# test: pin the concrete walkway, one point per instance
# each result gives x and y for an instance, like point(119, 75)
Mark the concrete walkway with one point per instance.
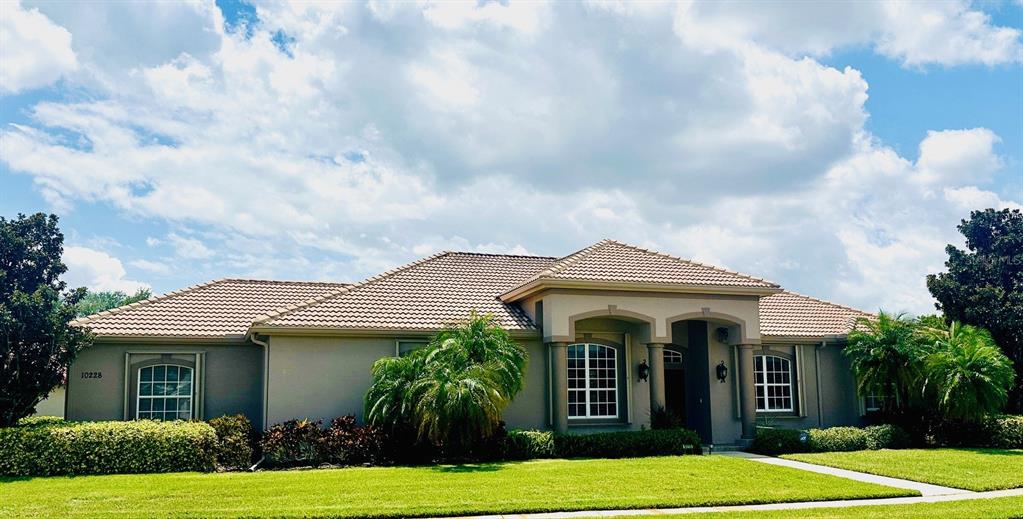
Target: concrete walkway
point(924, 488)
point(752, 508)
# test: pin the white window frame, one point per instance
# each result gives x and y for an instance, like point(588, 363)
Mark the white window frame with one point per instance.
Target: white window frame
point(586, 391)
point(139, 397)
point(673, 356)
point(878, 401)
point(760, 366)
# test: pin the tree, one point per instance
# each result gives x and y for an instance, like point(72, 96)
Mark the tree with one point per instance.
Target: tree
point(967, 374)
point(984, 284)
point(453, 391)
point(37, 343)
point(886, 356)
point(96, 302)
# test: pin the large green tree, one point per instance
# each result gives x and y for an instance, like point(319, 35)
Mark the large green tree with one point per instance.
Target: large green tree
point(96, 302)
point(984, 284)
point(37, 343)
point(453, 391)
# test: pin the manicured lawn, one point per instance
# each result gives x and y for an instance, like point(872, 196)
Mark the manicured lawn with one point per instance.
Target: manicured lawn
point(972, 469)
point(1001, 507)
point(533, 486)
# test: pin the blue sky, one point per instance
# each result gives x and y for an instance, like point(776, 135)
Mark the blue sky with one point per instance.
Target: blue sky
point(829, 147)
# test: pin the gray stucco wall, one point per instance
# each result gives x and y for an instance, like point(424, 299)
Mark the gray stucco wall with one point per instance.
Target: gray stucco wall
point(231, 379)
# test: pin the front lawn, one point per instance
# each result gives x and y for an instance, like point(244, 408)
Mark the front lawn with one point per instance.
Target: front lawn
point(533, 486)
point(993, 508)
point(971, 469)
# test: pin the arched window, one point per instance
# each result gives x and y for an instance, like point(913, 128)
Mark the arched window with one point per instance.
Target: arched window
point(592, 381)
point(165, 393)
point(672, 356)
point(772, 378)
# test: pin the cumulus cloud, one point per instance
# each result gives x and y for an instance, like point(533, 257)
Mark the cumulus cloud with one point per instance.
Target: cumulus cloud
point(390, 131)
point(34, 51)
point(97, 270)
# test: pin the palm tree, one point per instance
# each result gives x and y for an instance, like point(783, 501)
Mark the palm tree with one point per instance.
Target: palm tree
point(886, 356)
point(454, 390)
point(966, 371)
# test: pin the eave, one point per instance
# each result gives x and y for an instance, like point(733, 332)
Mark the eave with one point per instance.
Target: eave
point(538, 285)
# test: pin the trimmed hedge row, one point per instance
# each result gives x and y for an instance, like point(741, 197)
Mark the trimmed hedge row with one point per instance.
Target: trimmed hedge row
point(625, 444)
point(1002, 431)
point(235, 439)
point(48, 447)
point(304, 442)
point(833, 439)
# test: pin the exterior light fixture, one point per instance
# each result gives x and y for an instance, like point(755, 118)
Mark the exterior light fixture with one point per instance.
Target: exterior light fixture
point(644, 371)
point(722, 372)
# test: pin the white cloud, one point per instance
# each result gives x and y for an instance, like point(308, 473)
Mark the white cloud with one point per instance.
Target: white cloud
point(34, 51)
point(155, 267)
point(395, 130)
point(97, 270)
point(189, 248)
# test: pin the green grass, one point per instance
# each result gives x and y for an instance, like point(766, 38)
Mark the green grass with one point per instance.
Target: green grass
point(972, 469)
point(533, 486)
point(994, 508)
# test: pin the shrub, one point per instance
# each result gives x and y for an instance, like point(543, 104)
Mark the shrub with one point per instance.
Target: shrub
point(662, 418)
point(837, 439)
point(627, 444)
point(347, 443)
point(772, 442)
point(886, 437)
point(1006, 432)
point(234, 441)
point(31, 421)
point(51, 448)
point(293, 443)
point(527, 445)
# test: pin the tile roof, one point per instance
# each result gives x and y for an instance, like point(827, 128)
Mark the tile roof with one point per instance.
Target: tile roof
point(787, 314)
point(223, 308)
point(428, 294)
point(612, 261)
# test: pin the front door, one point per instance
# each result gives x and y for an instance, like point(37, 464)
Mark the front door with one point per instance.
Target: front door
point(674, 384)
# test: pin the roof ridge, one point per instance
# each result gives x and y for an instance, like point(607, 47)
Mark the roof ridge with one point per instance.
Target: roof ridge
point(112, 311)
point(825, 301)
point(500, 255)
point(694, 262)
point(276, 314)
point(283, 281)
point(566, 261)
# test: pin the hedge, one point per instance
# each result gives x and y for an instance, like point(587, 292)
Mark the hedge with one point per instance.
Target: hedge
point(773, 442)
point(51, 448)
point(1005, 432)
point(304, 442)
point(235, 439)
point(625, 444)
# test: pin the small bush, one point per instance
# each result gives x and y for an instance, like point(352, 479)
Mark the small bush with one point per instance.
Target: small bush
point(527, 445)
point(53, 448)
point(31, 421)
point(234, 441)
point(886, 437)
point(772, 442)
point(662, 418)
point(347, 443)
point(627, 444)
point(293, 443)
point(837, 439)
point(1005, 432)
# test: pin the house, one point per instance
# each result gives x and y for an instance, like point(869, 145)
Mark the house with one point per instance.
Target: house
point(612, 331)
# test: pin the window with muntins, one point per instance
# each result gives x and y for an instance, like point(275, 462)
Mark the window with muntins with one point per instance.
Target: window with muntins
point(592, 381)
point(873, 403)
point(772, 378)
point(672, 356)
point(164, 393)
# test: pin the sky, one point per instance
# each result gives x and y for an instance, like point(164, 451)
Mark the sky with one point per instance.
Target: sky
point(830, 147)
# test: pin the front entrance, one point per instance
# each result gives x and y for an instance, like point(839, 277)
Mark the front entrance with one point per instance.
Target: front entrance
point(674, 384)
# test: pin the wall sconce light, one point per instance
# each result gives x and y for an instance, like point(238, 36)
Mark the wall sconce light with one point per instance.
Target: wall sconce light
point(644, 371)
point(722, 372)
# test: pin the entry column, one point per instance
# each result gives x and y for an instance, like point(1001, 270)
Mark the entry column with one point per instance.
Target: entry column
point(656, 353)
point(747, 395)
point(559, 386)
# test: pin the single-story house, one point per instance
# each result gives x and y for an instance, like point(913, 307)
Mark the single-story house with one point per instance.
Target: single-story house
point(612, 332)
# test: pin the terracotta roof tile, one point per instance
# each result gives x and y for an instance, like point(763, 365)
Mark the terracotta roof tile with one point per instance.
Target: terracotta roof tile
point(217, 309)
point(428, 294)
point(787, 314)
point(613, 261)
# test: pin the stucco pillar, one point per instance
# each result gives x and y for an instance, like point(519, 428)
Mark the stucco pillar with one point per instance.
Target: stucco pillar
point(747, 394)
point(559, 385)
point(656, 363)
